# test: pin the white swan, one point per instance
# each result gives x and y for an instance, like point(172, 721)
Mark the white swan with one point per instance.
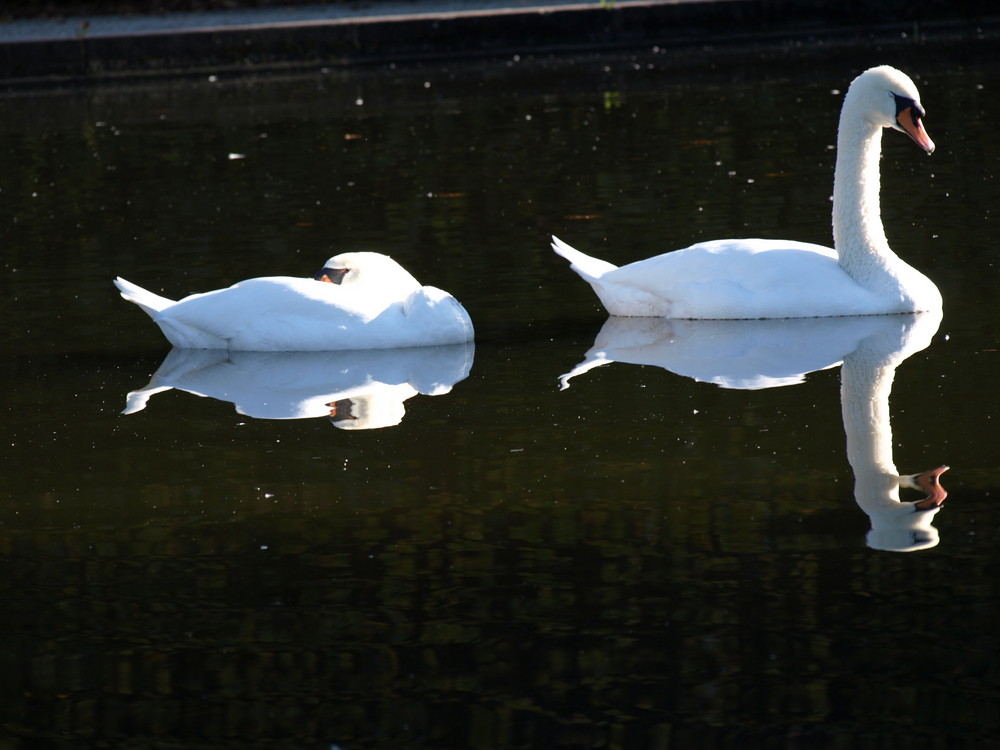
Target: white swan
point(755, 278)
point(370, 302)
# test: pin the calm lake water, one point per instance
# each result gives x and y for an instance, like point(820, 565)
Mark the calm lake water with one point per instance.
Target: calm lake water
point(664, 554)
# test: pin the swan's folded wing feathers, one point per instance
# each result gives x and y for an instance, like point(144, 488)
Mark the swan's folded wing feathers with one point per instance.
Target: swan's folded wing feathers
point(738, 278)
point(447, 319)
point(215, 313)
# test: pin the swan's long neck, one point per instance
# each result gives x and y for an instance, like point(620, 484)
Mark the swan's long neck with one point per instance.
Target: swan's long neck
point(858, 235)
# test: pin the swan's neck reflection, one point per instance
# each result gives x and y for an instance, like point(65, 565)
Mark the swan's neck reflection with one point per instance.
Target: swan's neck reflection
point(866, 381)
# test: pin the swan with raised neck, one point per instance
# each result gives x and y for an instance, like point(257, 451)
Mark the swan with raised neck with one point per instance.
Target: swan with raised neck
point(858, 235)
point(766, 278)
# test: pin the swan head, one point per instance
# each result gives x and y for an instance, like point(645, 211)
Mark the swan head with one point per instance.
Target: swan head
point(887, 98)
point(352, 269)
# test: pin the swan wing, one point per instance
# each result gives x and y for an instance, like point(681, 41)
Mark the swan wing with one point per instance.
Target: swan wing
point(434, 317)
point(290, 314)
point(741, 279)
point(266, 314)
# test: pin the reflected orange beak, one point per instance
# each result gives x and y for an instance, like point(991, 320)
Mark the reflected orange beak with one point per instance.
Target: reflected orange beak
point(911, 124)
point(341, 410)
point(930, 482)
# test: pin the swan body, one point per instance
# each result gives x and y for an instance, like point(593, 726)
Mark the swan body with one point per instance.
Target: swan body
point(763, 278)
point(371, 302)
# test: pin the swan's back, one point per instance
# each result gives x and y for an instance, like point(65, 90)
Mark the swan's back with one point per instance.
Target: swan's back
point(735, 279)
point(282, 313)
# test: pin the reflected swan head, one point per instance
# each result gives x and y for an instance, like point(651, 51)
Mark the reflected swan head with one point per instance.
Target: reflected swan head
point(929, 482)
point(887, 98)
point(360, 268)
point(366, 412)
point(899, 526)
point(919, 536)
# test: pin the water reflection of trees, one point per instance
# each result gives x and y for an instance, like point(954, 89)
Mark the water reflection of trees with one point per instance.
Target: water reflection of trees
point(461, 626)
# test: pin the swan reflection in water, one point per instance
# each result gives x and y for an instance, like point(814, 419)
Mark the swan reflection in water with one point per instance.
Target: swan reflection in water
point(753, 354)
point(357, 390)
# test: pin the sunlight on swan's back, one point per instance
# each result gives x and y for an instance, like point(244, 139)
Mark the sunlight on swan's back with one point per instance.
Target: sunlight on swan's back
point(757, 278)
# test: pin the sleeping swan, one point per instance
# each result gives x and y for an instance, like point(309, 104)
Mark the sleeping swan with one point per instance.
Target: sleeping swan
point(368, 302)
point(756, 278)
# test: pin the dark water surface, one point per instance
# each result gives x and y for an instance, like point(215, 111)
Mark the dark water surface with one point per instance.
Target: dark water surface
point(651, 558)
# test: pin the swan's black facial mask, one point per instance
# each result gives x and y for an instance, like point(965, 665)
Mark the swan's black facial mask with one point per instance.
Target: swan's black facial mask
point(904, 103)
point(331, 275)
point(908, 115)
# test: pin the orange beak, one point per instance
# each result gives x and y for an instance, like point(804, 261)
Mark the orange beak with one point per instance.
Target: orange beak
point(911, 124)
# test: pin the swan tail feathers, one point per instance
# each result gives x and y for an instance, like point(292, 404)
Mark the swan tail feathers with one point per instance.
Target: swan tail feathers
point(179, 333)
point(589, 268)
point(153, 304)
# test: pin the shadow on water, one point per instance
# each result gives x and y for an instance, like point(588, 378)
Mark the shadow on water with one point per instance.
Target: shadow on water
point(645, 560)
